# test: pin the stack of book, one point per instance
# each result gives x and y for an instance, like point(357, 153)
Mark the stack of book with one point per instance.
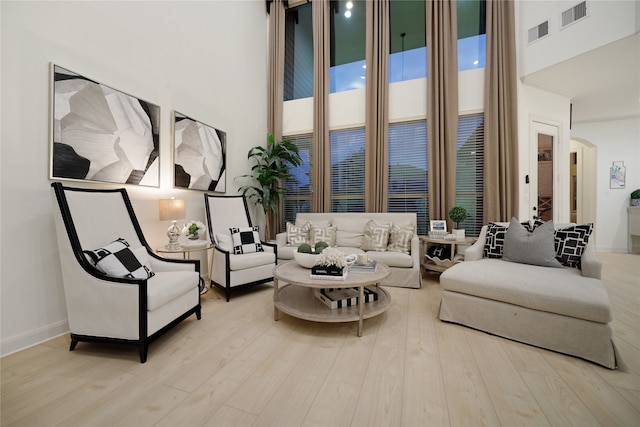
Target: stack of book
point(369, 267)
point(330, 272)
point(347, 297)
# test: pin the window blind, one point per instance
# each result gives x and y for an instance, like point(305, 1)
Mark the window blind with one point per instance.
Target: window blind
point(408, 185)
point(297, 197)
point(470, 170)
point(347, 169)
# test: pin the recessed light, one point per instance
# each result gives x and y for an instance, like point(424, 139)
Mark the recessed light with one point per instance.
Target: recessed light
point(475, 62)
point(349, 5)
point(347, 14)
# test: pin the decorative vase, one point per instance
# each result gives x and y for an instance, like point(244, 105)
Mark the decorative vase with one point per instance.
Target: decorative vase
point(193, 236)
point(459, 233)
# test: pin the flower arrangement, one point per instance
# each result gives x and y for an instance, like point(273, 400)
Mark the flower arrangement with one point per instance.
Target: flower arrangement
point(192, 229)
point(331, 256)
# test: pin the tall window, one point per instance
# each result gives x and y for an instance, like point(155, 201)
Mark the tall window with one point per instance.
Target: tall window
point(347, 170)
point(407, 40)
point(472, 31)
point(470, 170)
point(298, 55)
point(408, 185)
point(348, 44)
point(298, 189)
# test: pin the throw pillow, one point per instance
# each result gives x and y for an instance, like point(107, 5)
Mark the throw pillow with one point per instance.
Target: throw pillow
point(494, 241)
point(570, 244)
point(224, 242)
point(245, 240)
point(117, 260)
point(530, 247)
point(324, 234)
point(298, 235)
point(376, 236)
point(400, 239)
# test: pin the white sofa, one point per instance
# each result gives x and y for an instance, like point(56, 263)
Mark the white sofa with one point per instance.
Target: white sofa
point(561, 309)
point(405, 268)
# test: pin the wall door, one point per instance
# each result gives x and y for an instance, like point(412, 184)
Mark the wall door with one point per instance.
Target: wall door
point(544, 188)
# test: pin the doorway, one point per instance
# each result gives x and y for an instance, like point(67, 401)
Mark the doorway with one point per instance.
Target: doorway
point(544, 189)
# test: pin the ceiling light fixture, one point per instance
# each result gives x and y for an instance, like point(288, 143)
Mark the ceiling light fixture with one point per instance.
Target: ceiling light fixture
point(349, 5)
point(347, 14)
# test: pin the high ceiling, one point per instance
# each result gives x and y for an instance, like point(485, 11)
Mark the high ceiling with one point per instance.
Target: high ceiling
point(602, 84)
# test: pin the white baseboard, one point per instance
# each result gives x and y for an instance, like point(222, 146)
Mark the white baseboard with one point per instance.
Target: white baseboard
point(29, 339)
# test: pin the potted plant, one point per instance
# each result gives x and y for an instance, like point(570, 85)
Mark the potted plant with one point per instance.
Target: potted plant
point(635, 197)
point(271, 169)
point(458, 214)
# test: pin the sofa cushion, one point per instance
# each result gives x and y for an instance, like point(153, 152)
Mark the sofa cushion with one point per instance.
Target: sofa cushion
point(322, 234)
point(496, 232)
point(349, 231)
point(376, 236)
point(298, 235)
point(400, 239)
point(556, 290)
point(571, 242)
point(165, 286)
point(530, 247)
point(392, 259)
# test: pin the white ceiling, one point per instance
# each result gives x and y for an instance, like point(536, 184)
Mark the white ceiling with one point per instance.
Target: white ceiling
point(602, 84)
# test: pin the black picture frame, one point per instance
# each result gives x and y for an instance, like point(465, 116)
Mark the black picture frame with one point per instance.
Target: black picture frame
point(101, 134)
point(199, 155)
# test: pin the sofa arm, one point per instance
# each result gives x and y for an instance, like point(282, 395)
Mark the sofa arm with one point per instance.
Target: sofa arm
point(474, 252)
point(415, 251)
point(590, 264)
point(281, 239)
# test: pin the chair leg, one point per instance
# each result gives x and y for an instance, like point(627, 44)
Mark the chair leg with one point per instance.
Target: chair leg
point(74, 343)
point(198, 314)
point(143, 353)
point(228, 292)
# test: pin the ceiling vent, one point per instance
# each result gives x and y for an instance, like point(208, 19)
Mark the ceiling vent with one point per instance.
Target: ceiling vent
point(574, 14)
point(538, 32)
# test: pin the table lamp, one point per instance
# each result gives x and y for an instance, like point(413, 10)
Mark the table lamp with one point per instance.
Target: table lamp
point(172, 210)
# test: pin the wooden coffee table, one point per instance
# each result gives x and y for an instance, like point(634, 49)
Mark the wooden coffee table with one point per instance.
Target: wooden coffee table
point(296, 298)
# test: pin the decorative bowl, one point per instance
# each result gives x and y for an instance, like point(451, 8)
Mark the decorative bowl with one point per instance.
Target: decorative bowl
point(305, 260)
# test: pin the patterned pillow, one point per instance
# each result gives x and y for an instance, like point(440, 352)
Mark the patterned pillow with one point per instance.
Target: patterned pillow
point(245, 240)
point(494, 242)
point(298, 235)
point(570, 244)
point(326, 234)
point(400, 239)
point(376, 236)
point(117, 260)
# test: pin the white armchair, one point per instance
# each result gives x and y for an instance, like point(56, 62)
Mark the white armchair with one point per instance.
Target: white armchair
point(232, 269)
point(120, 310)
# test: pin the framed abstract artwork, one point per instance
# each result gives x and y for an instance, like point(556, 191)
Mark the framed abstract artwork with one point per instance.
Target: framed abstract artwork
point(199, 155)
point(101, 134)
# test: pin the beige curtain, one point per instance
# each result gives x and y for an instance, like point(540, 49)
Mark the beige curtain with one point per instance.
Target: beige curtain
point(500, 114)
point(275, 97)
point(377, 106)
point(442, 105)
point(321, 196)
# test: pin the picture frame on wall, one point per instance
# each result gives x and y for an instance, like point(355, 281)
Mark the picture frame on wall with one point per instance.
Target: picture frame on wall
point(101, 134)
point(617, 175)
point(199, 155)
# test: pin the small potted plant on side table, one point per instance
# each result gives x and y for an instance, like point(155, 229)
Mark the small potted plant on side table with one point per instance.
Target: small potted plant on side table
point(457, 215)
point(635, 197)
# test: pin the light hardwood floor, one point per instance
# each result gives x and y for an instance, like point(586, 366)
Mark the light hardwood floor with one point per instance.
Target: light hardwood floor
point(238, 367)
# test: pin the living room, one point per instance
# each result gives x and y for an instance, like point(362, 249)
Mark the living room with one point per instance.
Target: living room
point(209, 60)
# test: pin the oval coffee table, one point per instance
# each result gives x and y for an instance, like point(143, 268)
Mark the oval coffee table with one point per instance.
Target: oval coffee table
point(296, 298)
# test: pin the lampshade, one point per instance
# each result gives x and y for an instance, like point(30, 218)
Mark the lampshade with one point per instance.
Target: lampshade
point(171, 209)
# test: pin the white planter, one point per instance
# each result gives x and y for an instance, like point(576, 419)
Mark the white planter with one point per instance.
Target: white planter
point(459, 233)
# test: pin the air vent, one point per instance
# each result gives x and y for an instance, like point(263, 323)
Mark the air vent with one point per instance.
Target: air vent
point(538, 32)
point(575, 14)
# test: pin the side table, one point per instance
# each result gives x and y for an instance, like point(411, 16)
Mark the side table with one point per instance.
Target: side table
point(186, 254)
point(441, 266)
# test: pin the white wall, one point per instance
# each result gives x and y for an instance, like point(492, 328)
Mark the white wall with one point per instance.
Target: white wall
point(607, 21)
point(207, 60)
point(616, 140)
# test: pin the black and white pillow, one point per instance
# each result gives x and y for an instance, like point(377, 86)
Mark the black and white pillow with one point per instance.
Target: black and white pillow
point(570, 244)
point(494, 241)
point(118, 260)
point(245, 240)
